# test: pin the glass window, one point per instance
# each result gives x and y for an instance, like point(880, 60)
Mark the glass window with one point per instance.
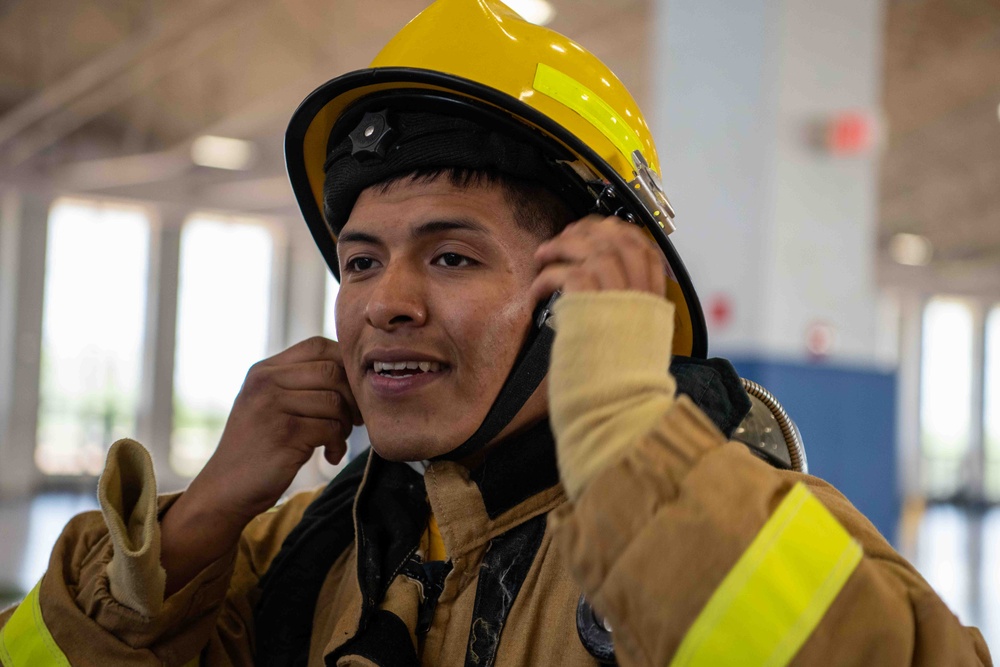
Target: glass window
point(991, 406)
point(989, 621)
point(943, 556)
point(358, 440)
point(222, 328)
point(946, 395)
point(96, 268)
point(329, 321)
point(48, 516)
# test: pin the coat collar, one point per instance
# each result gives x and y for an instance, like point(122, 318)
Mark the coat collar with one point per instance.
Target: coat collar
point(517, 481)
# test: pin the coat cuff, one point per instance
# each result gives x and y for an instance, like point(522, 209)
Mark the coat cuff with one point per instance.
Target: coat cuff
point(127, 495)
point(609, 379)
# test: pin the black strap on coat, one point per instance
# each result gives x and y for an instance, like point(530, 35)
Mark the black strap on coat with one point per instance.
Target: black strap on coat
point(283, 617)
point(503, 570)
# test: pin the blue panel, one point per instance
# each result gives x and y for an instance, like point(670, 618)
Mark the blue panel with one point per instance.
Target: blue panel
point(847, 416)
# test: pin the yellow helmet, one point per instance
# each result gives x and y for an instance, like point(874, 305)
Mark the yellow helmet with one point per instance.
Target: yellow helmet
point(481, 53)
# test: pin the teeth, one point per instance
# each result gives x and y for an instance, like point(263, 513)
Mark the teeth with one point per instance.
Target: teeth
point(423, 366)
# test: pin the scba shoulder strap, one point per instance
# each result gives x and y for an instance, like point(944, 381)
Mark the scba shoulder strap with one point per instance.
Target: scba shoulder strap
point(283, 617)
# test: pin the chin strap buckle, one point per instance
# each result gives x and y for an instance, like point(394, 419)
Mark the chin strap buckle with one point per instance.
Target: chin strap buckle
point(547, 311)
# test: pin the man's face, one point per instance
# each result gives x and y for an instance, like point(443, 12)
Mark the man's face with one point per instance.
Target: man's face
point(436, 277)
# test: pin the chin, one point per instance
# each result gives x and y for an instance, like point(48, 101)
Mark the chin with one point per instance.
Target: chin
point(400, 446)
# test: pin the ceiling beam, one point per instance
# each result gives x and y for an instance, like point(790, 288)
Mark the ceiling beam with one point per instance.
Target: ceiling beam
point(265, 117)
point(143, 73)
point(97, 71)
point(117, 172)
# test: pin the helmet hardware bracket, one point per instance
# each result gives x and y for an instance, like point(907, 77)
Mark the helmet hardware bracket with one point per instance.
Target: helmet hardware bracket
point(373, 136)
point(649, 191)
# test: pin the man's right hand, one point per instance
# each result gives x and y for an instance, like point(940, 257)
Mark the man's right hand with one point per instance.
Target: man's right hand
point(289, 405)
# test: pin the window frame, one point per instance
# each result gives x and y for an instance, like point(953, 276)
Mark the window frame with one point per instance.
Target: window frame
point(276, 325)
point(911, 458)
point(99, 204)
point(296, 312)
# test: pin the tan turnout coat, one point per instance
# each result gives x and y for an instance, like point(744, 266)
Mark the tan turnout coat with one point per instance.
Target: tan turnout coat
point(654, 513)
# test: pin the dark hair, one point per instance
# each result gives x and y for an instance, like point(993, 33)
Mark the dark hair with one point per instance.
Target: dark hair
point(536, 209)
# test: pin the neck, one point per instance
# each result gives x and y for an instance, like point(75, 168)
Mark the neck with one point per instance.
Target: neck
point(512, 431)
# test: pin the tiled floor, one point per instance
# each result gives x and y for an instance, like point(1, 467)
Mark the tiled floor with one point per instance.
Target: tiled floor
point(958, 552)
point(28, 529)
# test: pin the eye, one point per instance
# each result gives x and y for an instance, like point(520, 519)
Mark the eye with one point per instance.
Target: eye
point(453, 260)
point(358, 264)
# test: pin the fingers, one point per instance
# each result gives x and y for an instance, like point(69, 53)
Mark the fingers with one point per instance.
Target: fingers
point(571, 248)
point(333, 453)
point(318, 382)
point(316, 404)
point(566, 278)
point(310, 349)
point(639, 256)
point(323, 375)
point(309, 433)
point(289, 405)
point(599, 254)
point(657, 272)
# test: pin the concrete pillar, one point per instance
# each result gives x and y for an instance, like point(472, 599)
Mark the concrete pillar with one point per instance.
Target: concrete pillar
point(306, 282)
point(23, 234)
point(766, 216)
point(778, 234)
point(303, 301)
point(154, 421)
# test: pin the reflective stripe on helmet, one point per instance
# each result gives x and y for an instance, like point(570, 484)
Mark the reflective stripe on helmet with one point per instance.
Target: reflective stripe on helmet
point(573, 94)
point(25, 640)
point(776, 594)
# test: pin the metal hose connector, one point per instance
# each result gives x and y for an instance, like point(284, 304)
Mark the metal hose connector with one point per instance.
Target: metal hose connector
point(790, 432)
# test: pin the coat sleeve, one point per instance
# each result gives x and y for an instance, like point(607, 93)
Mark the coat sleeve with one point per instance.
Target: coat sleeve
point(697, 552)
point(101, 602)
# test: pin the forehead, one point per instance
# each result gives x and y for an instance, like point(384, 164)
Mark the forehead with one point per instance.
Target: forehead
point(411, 202)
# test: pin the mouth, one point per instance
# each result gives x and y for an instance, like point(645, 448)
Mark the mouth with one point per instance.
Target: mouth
point(405, 369)
point(393, 374)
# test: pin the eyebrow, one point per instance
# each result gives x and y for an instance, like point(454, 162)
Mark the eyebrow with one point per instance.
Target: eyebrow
point(358, 237)
point(426, 229)
point(453, 224)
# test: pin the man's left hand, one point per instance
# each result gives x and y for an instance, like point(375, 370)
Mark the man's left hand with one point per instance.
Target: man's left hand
point(599, 253)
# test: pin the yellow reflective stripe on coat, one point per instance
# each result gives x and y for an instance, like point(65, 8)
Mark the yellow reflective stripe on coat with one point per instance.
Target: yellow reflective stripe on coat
point(776, 594)
point(25, 641)
point(573, 94)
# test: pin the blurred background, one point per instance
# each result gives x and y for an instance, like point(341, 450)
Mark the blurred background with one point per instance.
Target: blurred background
point(835, 168)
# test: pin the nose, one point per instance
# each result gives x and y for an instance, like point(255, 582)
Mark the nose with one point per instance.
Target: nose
point(396, 300)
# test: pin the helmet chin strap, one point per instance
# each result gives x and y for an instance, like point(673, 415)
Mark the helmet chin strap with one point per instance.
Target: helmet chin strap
point(528, 372)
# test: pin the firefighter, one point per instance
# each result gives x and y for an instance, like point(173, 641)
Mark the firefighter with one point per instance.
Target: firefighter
point(541, 489)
